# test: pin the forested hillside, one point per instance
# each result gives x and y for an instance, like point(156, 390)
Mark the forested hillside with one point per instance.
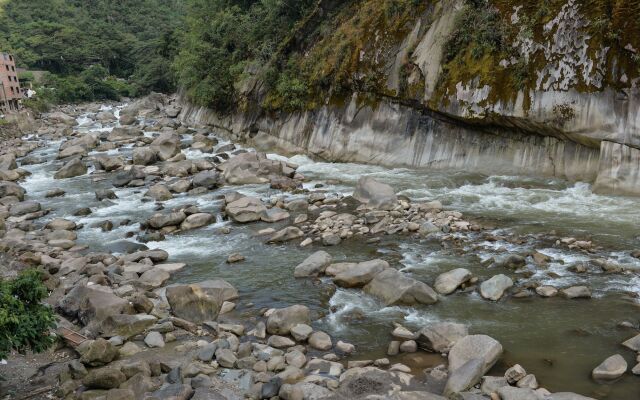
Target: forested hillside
point(89, 44)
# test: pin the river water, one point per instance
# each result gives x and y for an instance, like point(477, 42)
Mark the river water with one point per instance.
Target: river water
point(558, 340)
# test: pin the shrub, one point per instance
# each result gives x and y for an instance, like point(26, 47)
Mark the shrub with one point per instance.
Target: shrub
point(25, 323)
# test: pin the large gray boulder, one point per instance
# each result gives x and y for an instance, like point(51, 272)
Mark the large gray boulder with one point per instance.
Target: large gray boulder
point(71, 169)
point(494, 287)
point(440, 336)
point(313, 265)
point(104, 378)
point(464, 377)
point(249, 168)
point(286, 234)
point(8, 162)
point(197, 220)
point(24, 207)
point(11, 189)
point(61, 118)
point(72, 151)
point(95, 353)
point(360, 274)
point(91, 305)
point(207, 179)
point(610, 369)
point(448, 282)
point(395, 288)
point(124, 134)
point(158, 221)
point(166, 146)
point(245, 209)
point(144, 156)
point(282, 320)
point(126, 325)
point(375, 194)
point(471, 347)
point(159, 192)
point(199, 302)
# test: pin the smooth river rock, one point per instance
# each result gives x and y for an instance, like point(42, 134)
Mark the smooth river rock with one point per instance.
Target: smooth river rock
point(610, 369)
point(494, 288)
point(394, 287)
point(448, 282)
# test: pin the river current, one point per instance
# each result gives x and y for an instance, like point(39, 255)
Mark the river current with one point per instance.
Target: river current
point(558, 340)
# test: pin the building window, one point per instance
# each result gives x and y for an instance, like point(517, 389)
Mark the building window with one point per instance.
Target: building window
point(10, 58)
point(7, 67)
point(13, 68)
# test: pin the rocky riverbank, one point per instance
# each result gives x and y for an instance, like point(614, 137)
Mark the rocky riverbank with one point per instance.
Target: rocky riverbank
point(149, 337)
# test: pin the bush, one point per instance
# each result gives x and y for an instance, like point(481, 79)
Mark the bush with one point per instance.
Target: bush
point(25, 323)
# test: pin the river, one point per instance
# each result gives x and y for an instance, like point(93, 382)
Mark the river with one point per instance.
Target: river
point(558, 340)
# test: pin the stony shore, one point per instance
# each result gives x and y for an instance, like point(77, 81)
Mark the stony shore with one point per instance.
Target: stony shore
point(150, 340)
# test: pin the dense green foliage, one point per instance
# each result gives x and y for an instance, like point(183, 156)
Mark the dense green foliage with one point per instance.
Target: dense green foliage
point(24, 321)
point(225, 38)
point(82, 41)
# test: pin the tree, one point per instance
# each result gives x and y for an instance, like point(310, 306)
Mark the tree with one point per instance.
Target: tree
point(25, 322)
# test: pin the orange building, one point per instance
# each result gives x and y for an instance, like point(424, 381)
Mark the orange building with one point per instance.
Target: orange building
point(10, 93)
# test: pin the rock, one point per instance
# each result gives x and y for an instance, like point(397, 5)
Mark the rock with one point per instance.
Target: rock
point(274, 214)
point(197, 220)
point(207, 179)
point(159, 192)
point(235, 258)
point(528, 381)
point(105, 194)
point(301, 332)
point(104, 378)
point(491, 384)
point(512, 393)
point(158, 221)
point(61, 118)
point(286, 234)
point(175, 391)
point(345, 348)
point(108, 164)
point(199, 302)
point(280, 342)
point(633, 343)
point(482, 347)
point(226, 358)
point(361, 274)
point(97, 352)
point(11, 189)
point(71, 169)
point(121, 394)
point(375, 194)
point(576, 292)
point(331, 239)
point(166, 146)
point(320, 341)
point(546, 291)
point(55, 193)
point(246, 209)
point(129, 349)
point(612, 368)
point(567, 396)
point(126, 325)
point(448, 282)
point(143, 156)
point(24, 207)
point(395, 288)
point(408, 346)
point(440, 336)
point(8, 162)
point(72, 151)
point(282, 320)
point(514, 374)
point(120, 134)
point(464, 377)
point(250, 168)
point(153, 279)
point(154, 339)
point(313, 265)
point(494, 288)
point(91, 305)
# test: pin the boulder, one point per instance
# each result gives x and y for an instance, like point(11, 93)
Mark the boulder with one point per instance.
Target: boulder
point(71, 169)
point(91, 305)
point(24, 207)
point(274, 214)
point(313, 265)
point(375, 194)
point(97, 352)
point(282, 320)
point(158, 221)
point(464, 377)
point(471, 347)
point(320, 341)
point(61, 118)
point(494, 288)
point(176, 391)
point(11, 189)
point(251, 168)
point(610, 369)
point(8, 162)
point(633, 343)
point(107, 163)
point(448, 282)
point(245, 209)
point(124, 134)
point(154, 339)
point(514, 393)
point(73, 151)
point(207, 179)
point(144, 156)
point(104, 378)
point(440, 336)
point(166, 146)
point(126, 325)
point(361, 274)
point(197, 220)
point(159, 192)
point(153, 279)
point(286, 234)
point(576, 292)
point(199, 302)
point(395, 288)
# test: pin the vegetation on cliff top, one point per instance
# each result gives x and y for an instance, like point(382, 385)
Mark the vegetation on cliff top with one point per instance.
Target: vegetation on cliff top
point(129, 45)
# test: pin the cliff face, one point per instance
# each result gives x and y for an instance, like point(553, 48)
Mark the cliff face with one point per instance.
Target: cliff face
point(544, 87)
